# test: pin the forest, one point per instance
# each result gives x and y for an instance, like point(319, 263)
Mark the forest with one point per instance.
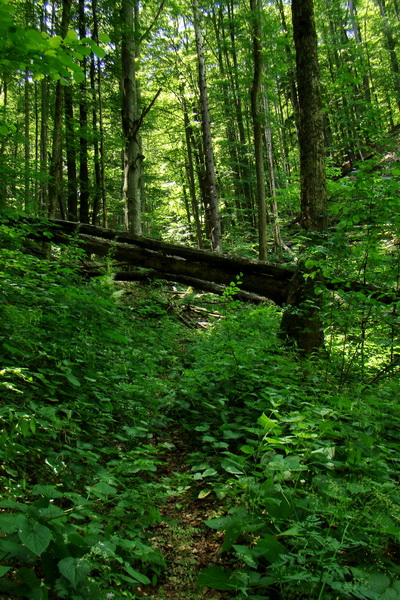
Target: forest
point(199, 298)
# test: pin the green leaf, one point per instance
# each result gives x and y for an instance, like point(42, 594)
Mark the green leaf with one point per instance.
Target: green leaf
point(73, 380)
point(203, 494)
point(216, 578)
point(35, 536)
point(138, 576)
point(49, 491)
point(71, 35)
point(103, 37)
point(74, 569)
point(9, 523)
point(78, 76)
point(100, 52)
point(219, 522)
point(270, 548)
point(4, 570)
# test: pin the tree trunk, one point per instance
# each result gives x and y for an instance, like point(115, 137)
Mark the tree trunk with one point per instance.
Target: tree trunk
point(211, 186)
point(391, 44)
point(101, 126)
point(190, 175)
point(70, 151)
point(84, 188)
point(278, 242)
point(302, 319)
point(56, 154)
point(258, 129)
point(27, 147)
point(130, 122)
point(96, 150)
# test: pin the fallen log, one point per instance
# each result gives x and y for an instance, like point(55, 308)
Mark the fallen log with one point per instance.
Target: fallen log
point(198, 284)
point(176, 262)
point(199, 268)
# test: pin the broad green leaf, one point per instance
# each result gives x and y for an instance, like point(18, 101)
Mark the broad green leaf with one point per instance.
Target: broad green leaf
point(136, 575)
point(4, 570)
point(245, 554)
point(99, 52)
point(74, 569)
point(216, 578)
point(209, 473)
point(71, 35)
point(49, 491)
point(270, 548)
point(219, 522)
point(73, 380)
point(103, 488)
point(9, 523)
point(231, 468)
point(78, 76)
point(103, 37)
point(203, 494)
point(35, 536)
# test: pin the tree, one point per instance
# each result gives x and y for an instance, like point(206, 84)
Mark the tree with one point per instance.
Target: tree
point(56, 154)
point(302, 319)
point(211, 200)
point(258, 128)
point(130, 118)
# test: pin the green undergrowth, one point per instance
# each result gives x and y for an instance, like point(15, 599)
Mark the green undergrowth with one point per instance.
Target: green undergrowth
point(301, 456)
point(81, 385)
point(306, 468)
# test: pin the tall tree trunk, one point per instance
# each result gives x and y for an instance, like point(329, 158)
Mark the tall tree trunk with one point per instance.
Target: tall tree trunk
point(96, 150)
point(246, 175)
point(70, 151)
point(211, 186)
point(291, 77)
point(44, 101)
point(311, 138)
point(258, 129)
point(302, 319)
point(391, 44)
point(56, 154)
point(103, 192)
point(27, 147)
point(190, 175)
point(130, 122)
point(278, 242)
point(84, 187)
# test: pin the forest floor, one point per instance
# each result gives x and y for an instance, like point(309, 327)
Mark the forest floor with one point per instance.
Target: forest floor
point(186, 543)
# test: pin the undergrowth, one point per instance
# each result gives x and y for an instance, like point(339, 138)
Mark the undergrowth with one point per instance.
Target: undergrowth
point(301, 455)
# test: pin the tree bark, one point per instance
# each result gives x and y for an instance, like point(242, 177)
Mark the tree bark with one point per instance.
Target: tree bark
point(391, 45)
point(70, 151)
point(301, 320)
point(211, 186)
point(130, 122)
point(190, 175)
point(258, 129)
point(84, 188)
point(56, 154)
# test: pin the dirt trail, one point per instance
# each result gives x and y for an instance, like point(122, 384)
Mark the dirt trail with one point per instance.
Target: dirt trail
point(188, 545)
